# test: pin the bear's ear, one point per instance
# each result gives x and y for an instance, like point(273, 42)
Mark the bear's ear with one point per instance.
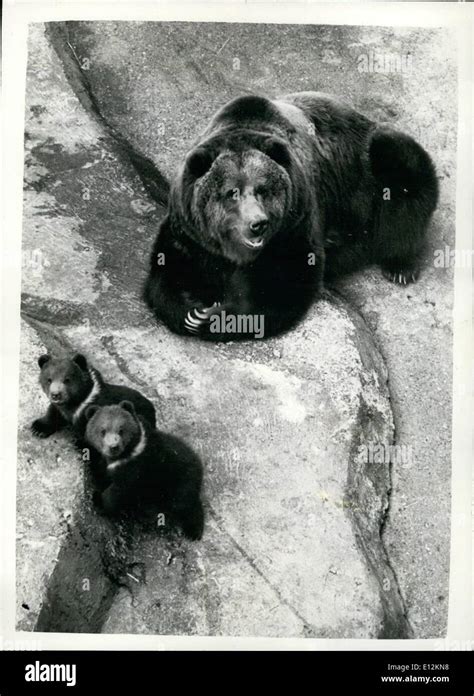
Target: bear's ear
point(91, 411)
point(199, 162)
point(80, 361)
point(128, 406)
point(277, 150)
point(43, 359)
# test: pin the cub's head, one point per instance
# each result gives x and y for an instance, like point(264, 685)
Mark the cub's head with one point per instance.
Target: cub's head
point(65, 381)
point(112, 430)
point(238, 200)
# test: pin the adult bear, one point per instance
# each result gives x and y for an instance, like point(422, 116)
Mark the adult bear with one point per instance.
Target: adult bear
point(276, 194)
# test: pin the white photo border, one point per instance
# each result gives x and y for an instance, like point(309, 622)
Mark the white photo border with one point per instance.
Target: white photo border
point(17, 16)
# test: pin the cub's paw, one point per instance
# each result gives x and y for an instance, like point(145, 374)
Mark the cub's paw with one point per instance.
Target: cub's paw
point(401, 275)
point(193, 532)
point(192, 523)
point(41, 429)
point(197, 320)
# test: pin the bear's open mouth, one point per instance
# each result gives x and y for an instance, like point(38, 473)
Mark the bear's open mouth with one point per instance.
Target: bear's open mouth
point(255, 243)
point(57, 400)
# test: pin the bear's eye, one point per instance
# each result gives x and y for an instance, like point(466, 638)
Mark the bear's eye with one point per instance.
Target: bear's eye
point(102, 432)
point(49, 380)
point(232, 194)
point(67, 380)
point(120, 432)
point(260, 190)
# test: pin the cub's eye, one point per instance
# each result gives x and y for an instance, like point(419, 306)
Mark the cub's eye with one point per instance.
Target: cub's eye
point(120, 432)
point(232, 194)
point(67, 380)
point(102, 432)
point(49, 380)
point(260, 191)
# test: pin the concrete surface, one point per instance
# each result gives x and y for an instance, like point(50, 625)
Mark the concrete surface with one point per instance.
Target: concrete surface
point(278, 431)
point(304, 551)
point(47, 481)
point(63, 547)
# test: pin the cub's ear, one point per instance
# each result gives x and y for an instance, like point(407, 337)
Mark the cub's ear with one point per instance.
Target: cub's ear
point(43, 359)
point(128, 406)
point(80, 361)
point(198, 162)
point(91, 411)
point(277, 150)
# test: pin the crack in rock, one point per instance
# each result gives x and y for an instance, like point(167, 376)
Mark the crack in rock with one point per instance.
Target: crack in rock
point(366, 484)
point(51, 311)
point(153, 180)
point(109, 345)
point(370, 539)
point(309, 630)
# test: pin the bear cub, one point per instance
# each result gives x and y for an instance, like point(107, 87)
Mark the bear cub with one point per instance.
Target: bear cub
point(143, 469)
point(71, 385)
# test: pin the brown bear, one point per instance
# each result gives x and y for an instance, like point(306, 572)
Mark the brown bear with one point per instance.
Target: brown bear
point(144, 470)
point(71, 384)
point(273, 196)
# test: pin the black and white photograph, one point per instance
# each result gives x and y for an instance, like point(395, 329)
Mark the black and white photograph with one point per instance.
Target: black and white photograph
point(236, 352)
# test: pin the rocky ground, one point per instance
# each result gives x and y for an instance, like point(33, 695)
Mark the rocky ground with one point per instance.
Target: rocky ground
point(303, 538)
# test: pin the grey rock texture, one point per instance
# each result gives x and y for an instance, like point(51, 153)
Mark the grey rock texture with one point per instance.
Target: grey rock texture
point(294, 514)
point(46, 485)
point(279, 432)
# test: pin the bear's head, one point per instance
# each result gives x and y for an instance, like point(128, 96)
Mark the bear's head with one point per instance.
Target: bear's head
point(237, 198)
point(112, 430)
point(65, 381)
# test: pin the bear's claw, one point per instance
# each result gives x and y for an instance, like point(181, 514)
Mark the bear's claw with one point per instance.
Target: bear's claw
point(402, 276)
point(38, 429)
point(192, 323)
point(196, 319)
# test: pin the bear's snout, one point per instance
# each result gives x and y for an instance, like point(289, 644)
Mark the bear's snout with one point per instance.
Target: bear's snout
point(254, 233)
point(112, 444)
point(252, 212)
point(258, 227)
point(57, 392)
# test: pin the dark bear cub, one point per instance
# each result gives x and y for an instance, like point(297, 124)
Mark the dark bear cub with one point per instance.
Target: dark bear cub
point(71, 385)
point(143, 469)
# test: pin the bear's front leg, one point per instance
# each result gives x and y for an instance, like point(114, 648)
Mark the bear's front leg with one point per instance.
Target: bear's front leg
point(262, 302)
point(225, 322)
point(227, 319)
point(198, 320)
point(402, 271)
point(233, 321)
point(111, 500)
point(189, 515)
point(96, 465)
point(50, 423)
point(174, 304)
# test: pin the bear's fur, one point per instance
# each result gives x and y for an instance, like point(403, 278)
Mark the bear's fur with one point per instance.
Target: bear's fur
point(274, 195)
point(143, 469)
point(71, 385)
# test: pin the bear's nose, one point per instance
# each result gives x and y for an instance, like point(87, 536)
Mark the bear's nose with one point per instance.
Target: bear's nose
point(55, 395)
point(259, 226)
